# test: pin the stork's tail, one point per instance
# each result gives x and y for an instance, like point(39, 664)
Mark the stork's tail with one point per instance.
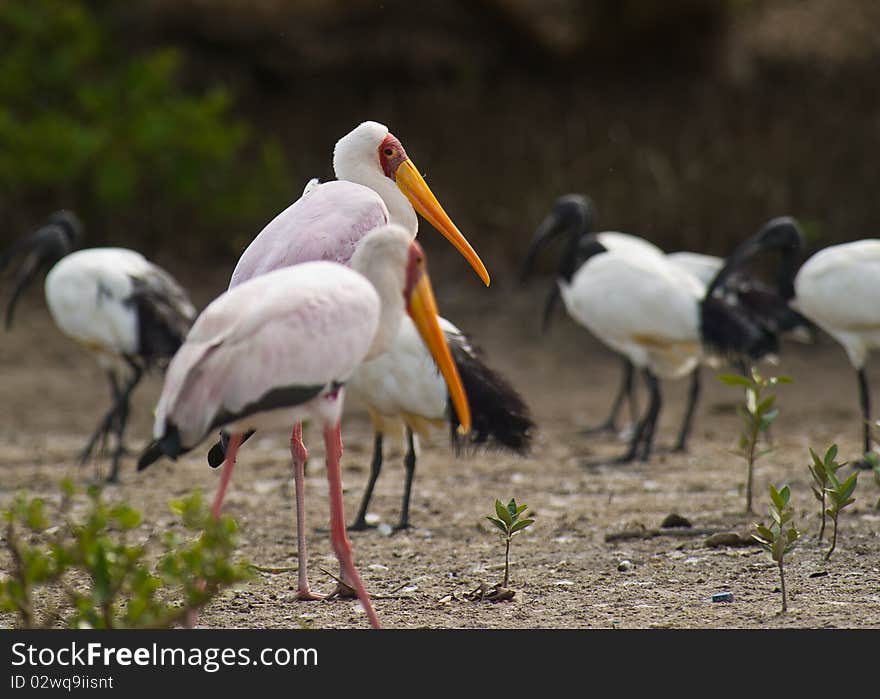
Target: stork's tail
point(167, 445)
point(499, 416)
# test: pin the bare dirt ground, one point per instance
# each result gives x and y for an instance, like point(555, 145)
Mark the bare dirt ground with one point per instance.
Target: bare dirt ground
point(565, 572)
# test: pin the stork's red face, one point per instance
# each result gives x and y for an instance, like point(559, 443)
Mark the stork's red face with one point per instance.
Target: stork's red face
point(398, 167)
point(391, 155)
point(422, 308)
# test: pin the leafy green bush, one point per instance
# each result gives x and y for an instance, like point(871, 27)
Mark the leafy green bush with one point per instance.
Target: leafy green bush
point(89, 122)
point(87, 572)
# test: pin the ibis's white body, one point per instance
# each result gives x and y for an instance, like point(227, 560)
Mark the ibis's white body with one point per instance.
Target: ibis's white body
point(627, 244)
point(703, 267)
point(640, 306)
point(838, 288)
point(89, 294)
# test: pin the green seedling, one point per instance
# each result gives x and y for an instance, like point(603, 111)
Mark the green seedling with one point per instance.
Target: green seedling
point(757, 415)
point(819, 470)
point(88, 565)
point(779, 537)
point(838, 495)
point(508, 520)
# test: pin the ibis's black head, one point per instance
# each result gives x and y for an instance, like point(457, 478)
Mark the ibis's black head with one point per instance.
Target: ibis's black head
point(781, 234)
point(738, 316)
point(70, 225)
point(61, 234)
point(571, 216)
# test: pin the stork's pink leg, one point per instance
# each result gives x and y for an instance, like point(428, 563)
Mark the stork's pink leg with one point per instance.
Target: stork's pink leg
point(299, 454)
point(338, 533)
point(228, 465)
point(225, 475)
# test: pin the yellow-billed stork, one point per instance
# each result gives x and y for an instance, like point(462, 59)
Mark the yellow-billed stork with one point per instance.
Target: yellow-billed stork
point(280, 348)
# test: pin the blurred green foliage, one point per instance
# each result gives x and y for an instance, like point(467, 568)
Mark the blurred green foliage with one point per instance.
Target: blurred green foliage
point(89, 122)
point(92, 568)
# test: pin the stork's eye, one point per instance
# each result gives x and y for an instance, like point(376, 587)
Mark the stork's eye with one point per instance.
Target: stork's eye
point(389, 152)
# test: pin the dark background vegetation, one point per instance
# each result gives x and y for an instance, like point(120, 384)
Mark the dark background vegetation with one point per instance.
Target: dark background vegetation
point(180, 127)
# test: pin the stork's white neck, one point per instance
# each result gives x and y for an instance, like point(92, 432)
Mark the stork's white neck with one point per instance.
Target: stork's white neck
point(400, 211)
point(382, 258)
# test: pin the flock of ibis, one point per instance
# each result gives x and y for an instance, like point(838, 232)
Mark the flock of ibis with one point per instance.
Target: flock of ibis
point(333, 297)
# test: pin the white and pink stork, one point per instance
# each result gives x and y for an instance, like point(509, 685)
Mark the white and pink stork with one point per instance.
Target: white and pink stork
point(377, 184)
point(278, 349)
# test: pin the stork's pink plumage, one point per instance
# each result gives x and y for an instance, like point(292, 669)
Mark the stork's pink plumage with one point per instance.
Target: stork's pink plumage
point(376, 183)
point(279, 348)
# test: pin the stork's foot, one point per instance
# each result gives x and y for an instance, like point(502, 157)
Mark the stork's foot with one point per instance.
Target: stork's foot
point(361, 525)
point(309, 596)
point(342, 591)
point(491, 593)
point(402, 526)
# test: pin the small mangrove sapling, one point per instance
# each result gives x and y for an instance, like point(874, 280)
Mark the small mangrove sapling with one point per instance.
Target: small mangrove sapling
point(780, 536)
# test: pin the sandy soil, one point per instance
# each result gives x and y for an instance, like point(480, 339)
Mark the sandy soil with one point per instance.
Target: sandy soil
point(567, 575)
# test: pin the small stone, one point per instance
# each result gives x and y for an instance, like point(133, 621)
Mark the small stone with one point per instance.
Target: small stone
point(675, 520)
point(722, 597)
point(385, 529)
point(727, 539)
point(625, 566)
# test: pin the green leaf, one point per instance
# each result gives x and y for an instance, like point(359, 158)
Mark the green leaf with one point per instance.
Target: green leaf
point(503, 513)
point(127, 516)
point(765, 533)
point(765, 405)
point(521, 524)
point(735, 380)
point(776, 498)
point(848, 486)
point(498, 523)
point(830, 455)
point(512, 509)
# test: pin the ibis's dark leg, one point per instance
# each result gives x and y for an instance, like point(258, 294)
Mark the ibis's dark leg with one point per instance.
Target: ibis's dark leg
point(630, 386)
point(643, 425)
point(360, 522)
point(123, 403)
point(652, 414)
point(409, 461)
point(693, 396)
point(627, 389)
point(865, 401)
point(107, 422)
